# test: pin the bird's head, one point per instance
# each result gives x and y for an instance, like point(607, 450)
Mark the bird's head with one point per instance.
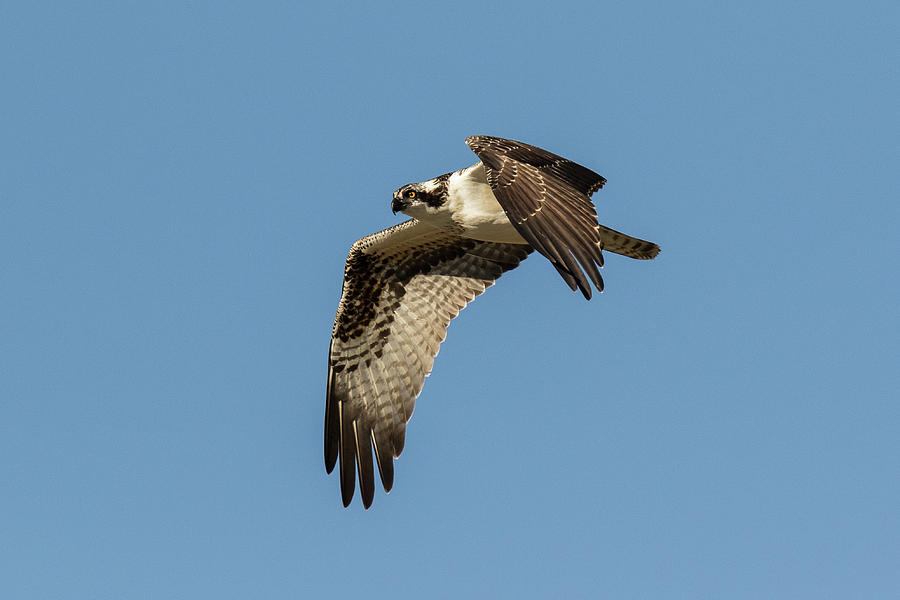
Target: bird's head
point(408, 196)
point(419, 199)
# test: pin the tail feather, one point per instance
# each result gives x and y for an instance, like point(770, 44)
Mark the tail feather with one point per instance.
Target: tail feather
point(626, 245)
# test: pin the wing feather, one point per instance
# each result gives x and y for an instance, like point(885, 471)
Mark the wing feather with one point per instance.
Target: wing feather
point(578, 177)
point(362, 433)
point(547, 199)
point(402, 287)
point(348, 447)
point(381, 442)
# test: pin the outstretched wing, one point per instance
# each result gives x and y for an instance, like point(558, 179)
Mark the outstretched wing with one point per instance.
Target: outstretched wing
point(547, 199)
point(402, 286)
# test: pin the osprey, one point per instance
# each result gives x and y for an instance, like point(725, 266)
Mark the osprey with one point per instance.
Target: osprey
point(403, 285)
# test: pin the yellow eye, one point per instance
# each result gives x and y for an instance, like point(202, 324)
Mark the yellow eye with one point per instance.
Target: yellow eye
point(410, 194)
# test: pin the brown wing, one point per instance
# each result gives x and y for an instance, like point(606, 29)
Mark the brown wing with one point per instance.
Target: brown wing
point(547, 199)
point(402, 286)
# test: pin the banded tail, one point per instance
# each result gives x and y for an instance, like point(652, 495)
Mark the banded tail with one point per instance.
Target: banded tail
point(632, 247)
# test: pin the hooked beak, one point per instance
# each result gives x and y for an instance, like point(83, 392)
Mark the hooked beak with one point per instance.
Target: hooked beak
point(398, 204)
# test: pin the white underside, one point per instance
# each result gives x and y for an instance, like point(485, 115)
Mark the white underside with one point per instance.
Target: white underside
point(474, 208)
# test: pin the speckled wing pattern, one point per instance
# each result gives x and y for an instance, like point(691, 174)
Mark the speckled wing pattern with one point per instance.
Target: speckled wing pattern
point(402, 286)
point(547, 199)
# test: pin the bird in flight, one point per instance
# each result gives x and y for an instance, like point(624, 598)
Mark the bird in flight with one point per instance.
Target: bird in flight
point(403, 285)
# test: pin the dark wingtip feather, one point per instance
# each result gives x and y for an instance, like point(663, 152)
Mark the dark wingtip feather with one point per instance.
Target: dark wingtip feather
point(332, 443)
point(385, 462)
point(598, 184)
point(332, 440)
point(364, 462)
point(386, 470)
point(347, 458)
point(398, 439)
point(332, 420)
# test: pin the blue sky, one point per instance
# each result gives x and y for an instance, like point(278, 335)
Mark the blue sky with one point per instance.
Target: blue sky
point(179, 186)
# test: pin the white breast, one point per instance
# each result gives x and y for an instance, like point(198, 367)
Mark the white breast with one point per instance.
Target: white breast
point(473, 207)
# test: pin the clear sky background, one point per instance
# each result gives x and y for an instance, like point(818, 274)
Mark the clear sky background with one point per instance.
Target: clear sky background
point(179, 186)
